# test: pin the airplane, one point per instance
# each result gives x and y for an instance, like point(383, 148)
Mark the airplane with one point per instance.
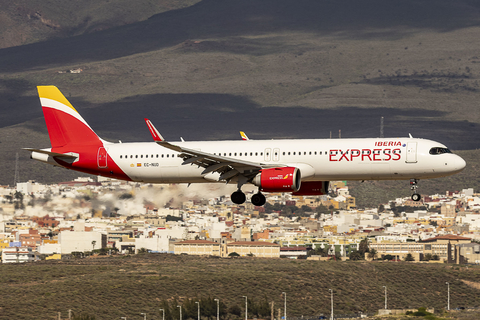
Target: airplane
point(297, 166)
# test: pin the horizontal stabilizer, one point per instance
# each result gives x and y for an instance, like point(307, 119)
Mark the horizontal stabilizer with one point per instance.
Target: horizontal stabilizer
point(53, 154)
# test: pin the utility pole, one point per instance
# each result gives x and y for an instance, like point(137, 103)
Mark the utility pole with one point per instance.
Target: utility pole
point(285, 306)
point(385, 297)
point(246, 308)
point(163, 310)
point(180, 311)
point(448, 295)
point(16, 179)
point(272, 315)
point(331, 294)
point(218, 309)
point(198, 304)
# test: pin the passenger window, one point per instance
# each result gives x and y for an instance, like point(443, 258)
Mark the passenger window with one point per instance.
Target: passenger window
point(136, 156)
point(168, 155)
point(256, 153)
point(146, 156)
point(120, 157)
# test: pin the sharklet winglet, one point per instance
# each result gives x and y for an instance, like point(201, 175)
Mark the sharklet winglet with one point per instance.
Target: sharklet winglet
point(154, 132)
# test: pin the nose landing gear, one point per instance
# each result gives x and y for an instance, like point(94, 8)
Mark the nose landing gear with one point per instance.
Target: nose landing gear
point(414, 187)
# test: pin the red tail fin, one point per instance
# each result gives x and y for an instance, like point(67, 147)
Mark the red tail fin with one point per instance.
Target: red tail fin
point(65, 125)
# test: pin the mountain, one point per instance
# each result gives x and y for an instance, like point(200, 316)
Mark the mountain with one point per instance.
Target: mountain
point(275, 69)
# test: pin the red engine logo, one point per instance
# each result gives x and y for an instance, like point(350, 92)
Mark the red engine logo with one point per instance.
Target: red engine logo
point(285, 179)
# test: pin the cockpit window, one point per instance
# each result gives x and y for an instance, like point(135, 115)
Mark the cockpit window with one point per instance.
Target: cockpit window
point(439, 150)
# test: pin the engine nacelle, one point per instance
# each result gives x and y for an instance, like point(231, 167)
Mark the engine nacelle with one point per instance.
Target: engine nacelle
point(313, 188)
point(283, 179)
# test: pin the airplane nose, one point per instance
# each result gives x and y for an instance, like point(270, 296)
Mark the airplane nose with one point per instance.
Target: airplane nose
point(460, 163)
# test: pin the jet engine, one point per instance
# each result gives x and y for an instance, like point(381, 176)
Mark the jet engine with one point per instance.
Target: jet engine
point(312, 188)
point(282, 179)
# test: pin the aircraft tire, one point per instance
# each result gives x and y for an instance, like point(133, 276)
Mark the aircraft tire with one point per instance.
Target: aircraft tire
point(238, 197)
point(258, 199)
point(416, 197)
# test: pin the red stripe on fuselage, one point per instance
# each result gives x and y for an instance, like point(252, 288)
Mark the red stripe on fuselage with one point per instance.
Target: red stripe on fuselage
point(87, 162)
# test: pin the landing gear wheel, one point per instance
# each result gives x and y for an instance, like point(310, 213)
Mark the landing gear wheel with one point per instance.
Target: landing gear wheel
point(238, 197)
point(416, 197)
point(414, 187)
point(258, 199)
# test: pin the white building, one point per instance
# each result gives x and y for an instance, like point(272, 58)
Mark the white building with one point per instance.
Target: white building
point(155, 243)
point(81, 241)
point(18, 254)
point(49, 248)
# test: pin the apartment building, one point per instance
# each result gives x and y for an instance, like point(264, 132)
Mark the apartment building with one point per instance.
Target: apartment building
point(224, 248)
point(18, 255)
point(441, 246)
point(255, 248)
point(197, 247)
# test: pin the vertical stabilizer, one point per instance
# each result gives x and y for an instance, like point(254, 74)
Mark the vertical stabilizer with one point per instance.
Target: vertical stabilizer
point(65, 125)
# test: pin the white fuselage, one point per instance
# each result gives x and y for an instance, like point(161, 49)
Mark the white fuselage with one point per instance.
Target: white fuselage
point(317, 159)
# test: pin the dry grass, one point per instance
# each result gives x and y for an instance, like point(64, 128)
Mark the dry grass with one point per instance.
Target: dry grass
point(125, 286)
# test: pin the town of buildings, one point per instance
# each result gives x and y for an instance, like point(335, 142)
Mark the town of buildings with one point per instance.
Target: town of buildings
point(108, 216)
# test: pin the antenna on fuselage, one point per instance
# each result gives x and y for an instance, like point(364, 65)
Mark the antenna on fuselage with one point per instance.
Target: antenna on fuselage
point(381, 127)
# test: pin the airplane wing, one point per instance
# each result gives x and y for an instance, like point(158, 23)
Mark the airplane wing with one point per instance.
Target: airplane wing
point(228, 168)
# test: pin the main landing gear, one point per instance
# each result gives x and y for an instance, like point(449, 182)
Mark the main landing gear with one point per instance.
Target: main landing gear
point(238, 197)
point(414, 187)
point(258, 199)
